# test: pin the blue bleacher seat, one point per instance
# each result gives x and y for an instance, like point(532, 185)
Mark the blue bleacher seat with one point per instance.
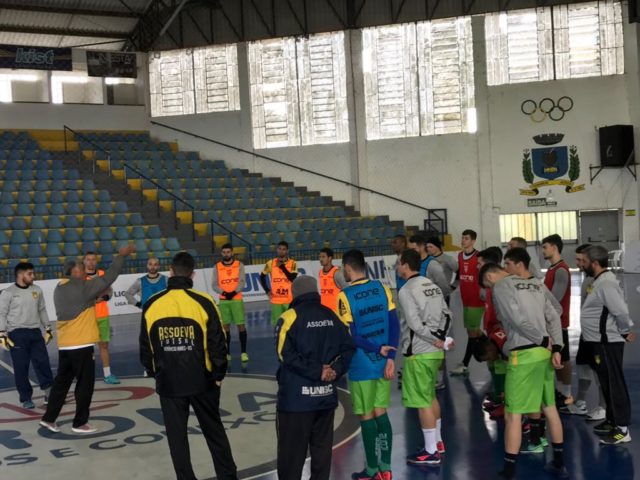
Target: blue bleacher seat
point(16, 250)
point(89, 235)
point(53, 250)
point(71, 250)
point(104, 221)
point(156, 245)
point(40, 209)
point(34, 250)
point(121, 233)
point(57, 209)
point(105, 248)
point(120, 220)
point(140, 244)
point(154, 232)
point(89, 247)
point(104, 207)
point(71, 221)
point(172, 244)
point(71, 235)
point(18, 223)
point(105, 234)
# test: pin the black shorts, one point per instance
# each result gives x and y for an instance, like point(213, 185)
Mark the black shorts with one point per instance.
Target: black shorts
point(565, 355)
point(585, 353)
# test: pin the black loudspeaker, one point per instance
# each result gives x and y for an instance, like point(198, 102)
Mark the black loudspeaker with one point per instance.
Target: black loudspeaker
point(616, 145)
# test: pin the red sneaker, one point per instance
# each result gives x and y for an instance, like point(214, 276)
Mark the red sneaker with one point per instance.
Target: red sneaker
point(383, 475)
point(440, 447)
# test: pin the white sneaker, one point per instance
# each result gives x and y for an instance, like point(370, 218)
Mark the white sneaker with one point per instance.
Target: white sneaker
point(51, 426)
point(577, 408)
point(597, 414)
point(84, 429)
point(459, 371)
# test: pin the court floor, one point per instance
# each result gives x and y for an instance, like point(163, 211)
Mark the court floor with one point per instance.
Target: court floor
point(131, 442)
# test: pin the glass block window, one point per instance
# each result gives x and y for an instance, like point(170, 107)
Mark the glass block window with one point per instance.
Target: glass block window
point(434, 94)
point(188, 81)
point(298, 91)
point(547, 43)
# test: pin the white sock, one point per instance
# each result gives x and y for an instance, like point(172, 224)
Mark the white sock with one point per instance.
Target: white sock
point(439, 430)
point(429, 439)
point(624, 429)
point(565, 390)
point(107, 371)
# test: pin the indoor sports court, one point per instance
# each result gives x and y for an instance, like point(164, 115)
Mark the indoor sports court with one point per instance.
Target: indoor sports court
point(172, 172)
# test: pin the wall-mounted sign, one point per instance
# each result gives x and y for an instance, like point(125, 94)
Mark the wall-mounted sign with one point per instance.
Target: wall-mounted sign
point(550, 162)
point(111, 64)
point(540, 202)
point(35, 58)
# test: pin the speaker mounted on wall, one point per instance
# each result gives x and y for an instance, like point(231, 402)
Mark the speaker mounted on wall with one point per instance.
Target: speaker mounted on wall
point(616, 146)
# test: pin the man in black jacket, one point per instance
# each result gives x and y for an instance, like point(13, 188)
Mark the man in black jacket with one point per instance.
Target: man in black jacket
point(183, 345)
point(315, 350)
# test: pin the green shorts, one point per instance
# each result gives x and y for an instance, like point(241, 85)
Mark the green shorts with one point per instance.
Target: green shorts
point(472, 317)
point(530, 381)
point(419, 378)
point(277, 309)
point(232, 311)
point(104, 328)
point(366, 395)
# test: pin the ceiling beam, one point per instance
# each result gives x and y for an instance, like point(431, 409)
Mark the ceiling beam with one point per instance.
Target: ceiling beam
point(64, 31)
point(69, 11)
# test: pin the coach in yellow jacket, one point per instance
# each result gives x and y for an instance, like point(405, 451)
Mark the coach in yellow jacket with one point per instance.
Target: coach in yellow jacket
point(183, 345)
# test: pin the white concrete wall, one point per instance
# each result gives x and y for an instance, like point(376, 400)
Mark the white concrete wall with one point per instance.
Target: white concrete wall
point(475, 176)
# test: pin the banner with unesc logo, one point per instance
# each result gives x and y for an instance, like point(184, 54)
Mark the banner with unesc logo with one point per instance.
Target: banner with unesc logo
point(112, 64)
point(35, 58)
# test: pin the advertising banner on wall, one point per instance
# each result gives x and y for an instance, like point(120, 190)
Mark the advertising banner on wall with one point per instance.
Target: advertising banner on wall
point(377, 269)
point(112, 64)
point(35, 58)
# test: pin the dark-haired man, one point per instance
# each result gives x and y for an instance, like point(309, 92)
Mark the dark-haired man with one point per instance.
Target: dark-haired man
point(228, 282)
point(558, 281)
point(429, 266)
point(398, 245)
point(495, 334)
point(448, 263)
point(520, 242)
point(367, 307)
point(22, 316)
point(425, 326)
point(283, 271)
point(331, 280)
point(529, 317)
point(472, 303)
point(606, 327)
point(586, 374)
point(183, 346)
point(90, 261)
point(75, 301)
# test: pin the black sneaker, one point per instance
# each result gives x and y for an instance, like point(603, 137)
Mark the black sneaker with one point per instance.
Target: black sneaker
point(615, 437)
point(603, 428)
point(560, 472)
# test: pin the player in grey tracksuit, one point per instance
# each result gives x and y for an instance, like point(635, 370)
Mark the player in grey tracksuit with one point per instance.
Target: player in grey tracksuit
point(23, 316)
point(424, 328)
point(606, 327)
point(530, 318)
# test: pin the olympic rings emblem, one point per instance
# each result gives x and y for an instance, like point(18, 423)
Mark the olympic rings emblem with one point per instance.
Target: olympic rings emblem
point(547, 107)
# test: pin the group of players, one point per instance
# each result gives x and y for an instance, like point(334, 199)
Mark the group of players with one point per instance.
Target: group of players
point(515, 321)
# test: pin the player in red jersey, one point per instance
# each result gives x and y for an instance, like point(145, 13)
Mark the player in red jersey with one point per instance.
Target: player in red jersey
point(472, 303)
point(558, 280)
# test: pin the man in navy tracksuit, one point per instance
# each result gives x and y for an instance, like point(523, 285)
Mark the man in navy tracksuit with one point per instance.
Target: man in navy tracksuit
point(315, 350)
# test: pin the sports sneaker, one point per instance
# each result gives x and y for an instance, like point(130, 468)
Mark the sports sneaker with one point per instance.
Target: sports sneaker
point(529, 447)
point(489, 404)
point(363, 475)
point(422, 457)
point(460, 371)
point(577, 408)
point(383, 475)
point(51, 426)
point(544, 442)
point(111, 380)
point(526, 428)
point(603, 428)
point(596, 415)
point(560, 472)
point(440, 447)
point(616, 436)
point(497, 412)
point(84, 429)
point(28, 404)
point(244, 357)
